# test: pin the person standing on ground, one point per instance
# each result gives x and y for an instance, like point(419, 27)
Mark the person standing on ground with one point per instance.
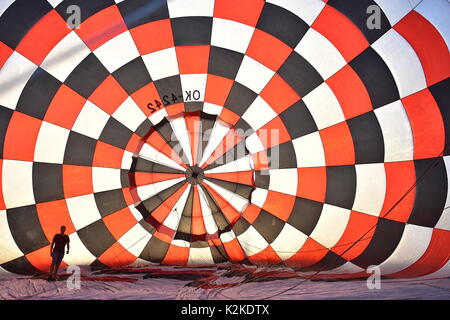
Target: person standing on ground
point(57, 248)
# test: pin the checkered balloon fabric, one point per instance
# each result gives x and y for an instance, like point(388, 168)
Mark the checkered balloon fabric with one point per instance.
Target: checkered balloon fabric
point(307, 133)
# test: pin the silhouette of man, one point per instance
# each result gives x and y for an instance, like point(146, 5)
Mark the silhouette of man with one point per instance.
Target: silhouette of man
point(57, 248)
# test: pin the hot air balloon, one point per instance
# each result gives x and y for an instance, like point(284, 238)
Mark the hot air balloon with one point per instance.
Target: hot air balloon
point(311, 134)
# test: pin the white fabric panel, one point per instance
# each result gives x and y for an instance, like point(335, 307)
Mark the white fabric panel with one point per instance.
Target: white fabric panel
point(227, 236)
point(437, 12)
point(17, 183)
point(259, 113)
point(242, 164)
point(444, 221)
point(234, 199)
point(253, 74)
point(161, 64)
point(309, 151)
point(253, 143)
point(320, 53)
point(173, 218)
point(331, 225)
point(51, 143)
point(8, 247)
point(14, 75)
point(397, 132)
point(231, 35)
point(395, 10)
point(79, 254)
point(150, 153)
point(252, 242)
point(150, 190)
point(91, 121)
point(218, 132)
point(156, 117)
point(127, 160)
point(183, 136)
point(324, 106)
point(307, 10)
point(370, 188)
point(200, 256)
point(412, 246)
point(259, 197)
point(135, 212)
point(104, 179)
point(83, 210)
point(193, 82)
point(284, 181)
point(117, 52)
point(212, 108)
point(208, 219)
point(402, 61)
point(288, 242)
point(65, 56)
point(187, 8)
point(129, 114)
point(347, 268)
point(135, 240)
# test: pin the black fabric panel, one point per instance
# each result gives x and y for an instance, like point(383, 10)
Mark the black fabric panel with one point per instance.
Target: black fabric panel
point(38, 93)
point(147, 226)
point(219, 254)
point(96, 238)
point(79, 150)
point(138, 12)
point(224, 62)
point(240, 227)
point(185, 223)
point(155, 250)
point(431, 192)
point(384, 242)
point(240, 98)
point(262, 179)
point(305, 215)
point(144, 128)
point(268, 226)
point(144, 165)
point(20, 266)
point(298, 120)
point(243, 128)
point(87, 7)
point(222, 223)
point(19, 18)
point(26, 228)
point(110, 201)
point(116, 134)
point(300, 74)
point(341, 186)
point(192, 31)
point(367, 138)
point(377, 78)
point(241, 189)
point(440, 92)
point(193, 106)
point(5, 117)
point(124, 178)
point(282, 24)
point(47, 182)
point(356, 11)
point(167, 87)
point(87, 76)
point(282, 156)
point(132, 76)
point(329, 262)
point(154, 202)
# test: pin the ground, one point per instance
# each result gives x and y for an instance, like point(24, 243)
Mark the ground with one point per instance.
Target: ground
point(213, 283)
